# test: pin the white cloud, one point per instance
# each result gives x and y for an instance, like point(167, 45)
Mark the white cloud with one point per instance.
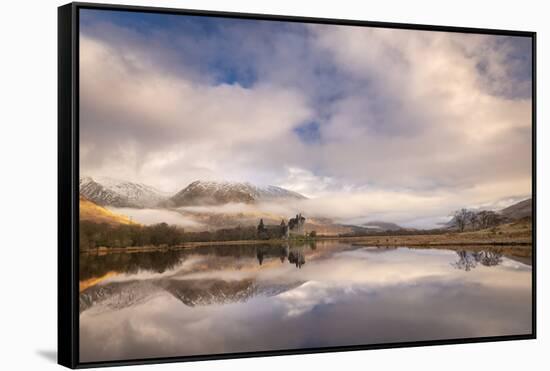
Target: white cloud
point(411, 124)
point(132, 110)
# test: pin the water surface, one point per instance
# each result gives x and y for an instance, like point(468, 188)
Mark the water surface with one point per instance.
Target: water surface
point(244, 298)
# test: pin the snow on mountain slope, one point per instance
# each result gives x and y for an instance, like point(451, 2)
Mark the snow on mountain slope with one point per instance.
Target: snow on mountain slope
point(201, 193)
point(113, 192)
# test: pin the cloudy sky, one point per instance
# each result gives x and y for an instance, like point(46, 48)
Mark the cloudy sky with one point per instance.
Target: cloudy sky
point(370, 123)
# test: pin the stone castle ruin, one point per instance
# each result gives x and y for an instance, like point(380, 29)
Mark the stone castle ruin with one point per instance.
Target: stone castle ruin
point(295, 227)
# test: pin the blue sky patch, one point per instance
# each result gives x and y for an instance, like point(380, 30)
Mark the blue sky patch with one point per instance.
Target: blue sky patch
point(309, 133)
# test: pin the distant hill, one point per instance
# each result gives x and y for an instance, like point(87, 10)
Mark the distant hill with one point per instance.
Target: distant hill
point(518, 211)
point(382, 226)
point(106, 191)
point(208, 193)
point(92, 212)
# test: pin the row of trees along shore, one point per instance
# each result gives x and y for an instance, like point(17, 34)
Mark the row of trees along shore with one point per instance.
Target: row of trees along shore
point(465, 219)
point(93, 235)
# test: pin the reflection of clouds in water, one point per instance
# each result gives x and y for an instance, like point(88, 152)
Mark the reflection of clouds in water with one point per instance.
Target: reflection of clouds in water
point(353, 297)
point(358, 266)
point(304, 298)
point(514, 265)
point(163, 327)
point(375, 268)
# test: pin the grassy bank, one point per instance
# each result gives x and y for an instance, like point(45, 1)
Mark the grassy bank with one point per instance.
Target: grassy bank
point(517, 234)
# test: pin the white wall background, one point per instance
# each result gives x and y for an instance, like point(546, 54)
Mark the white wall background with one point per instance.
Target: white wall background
point(28, 147)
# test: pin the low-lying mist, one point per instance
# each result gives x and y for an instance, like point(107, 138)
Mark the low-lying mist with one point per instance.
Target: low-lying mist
point(412, 211)
point(155, 216)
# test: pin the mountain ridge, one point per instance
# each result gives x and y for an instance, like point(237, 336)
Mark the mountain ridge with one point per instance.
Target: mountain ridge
point(518, 210)
point(106, 191)
point(211, 193)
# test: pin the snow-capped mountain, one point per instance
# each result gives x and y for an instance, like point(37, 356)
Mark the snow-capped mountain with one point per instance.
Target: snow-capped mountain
point(201, 193)
point(119, 193)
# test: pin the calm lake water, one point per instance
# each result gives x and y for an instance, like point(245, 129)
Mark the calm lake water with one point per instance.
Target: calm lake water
point(220, 299)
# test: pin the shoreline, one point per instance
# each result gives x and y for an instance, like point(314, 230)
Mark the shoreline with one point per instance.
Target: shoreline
point(429, 241)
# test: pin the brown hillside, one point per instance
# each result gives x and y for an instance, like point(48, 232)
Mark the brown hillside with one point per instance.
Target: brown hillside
point(92, 212)
point(519, 210)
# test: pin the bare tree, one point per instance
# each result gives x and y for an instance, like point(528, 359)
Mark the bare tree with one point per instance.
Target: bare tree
point(462, 218)
point(473, 219)
point(489, 219)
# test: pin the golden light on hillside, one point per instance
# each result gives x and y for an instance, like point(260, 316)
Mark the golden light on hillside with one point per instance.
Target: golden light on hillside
point(98, 214)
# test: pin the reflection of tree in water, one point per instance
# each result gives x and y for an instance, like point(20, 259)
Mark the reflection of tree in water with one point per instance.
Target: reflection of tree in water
point(468, 260)
point(156, 261)
point(260, 255)
point(284, 252)
point(266, 251)
point(488, 258)
point(92, 265)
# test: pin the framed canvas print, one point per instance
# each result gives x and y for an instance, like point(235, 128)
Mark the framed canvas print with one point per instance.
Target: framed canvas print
point(237, 185)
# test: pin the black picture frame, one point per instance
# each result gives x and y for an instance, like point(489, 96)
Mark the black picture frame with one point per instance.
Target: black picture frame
point(68, 179)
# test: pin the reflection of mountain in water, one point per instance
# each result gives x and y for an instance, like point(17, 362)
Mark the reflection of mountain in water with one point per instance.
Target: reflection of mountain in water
point(117, 295)
point(467, 260)
point(207, 292)
point(211, 290)
point(191, 292)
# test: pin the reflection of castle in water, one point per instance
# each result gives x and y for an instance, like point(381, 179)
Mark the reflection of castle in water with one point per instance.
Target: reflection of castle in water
point(297, 257)
point(294, 255)
point(468, 260)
